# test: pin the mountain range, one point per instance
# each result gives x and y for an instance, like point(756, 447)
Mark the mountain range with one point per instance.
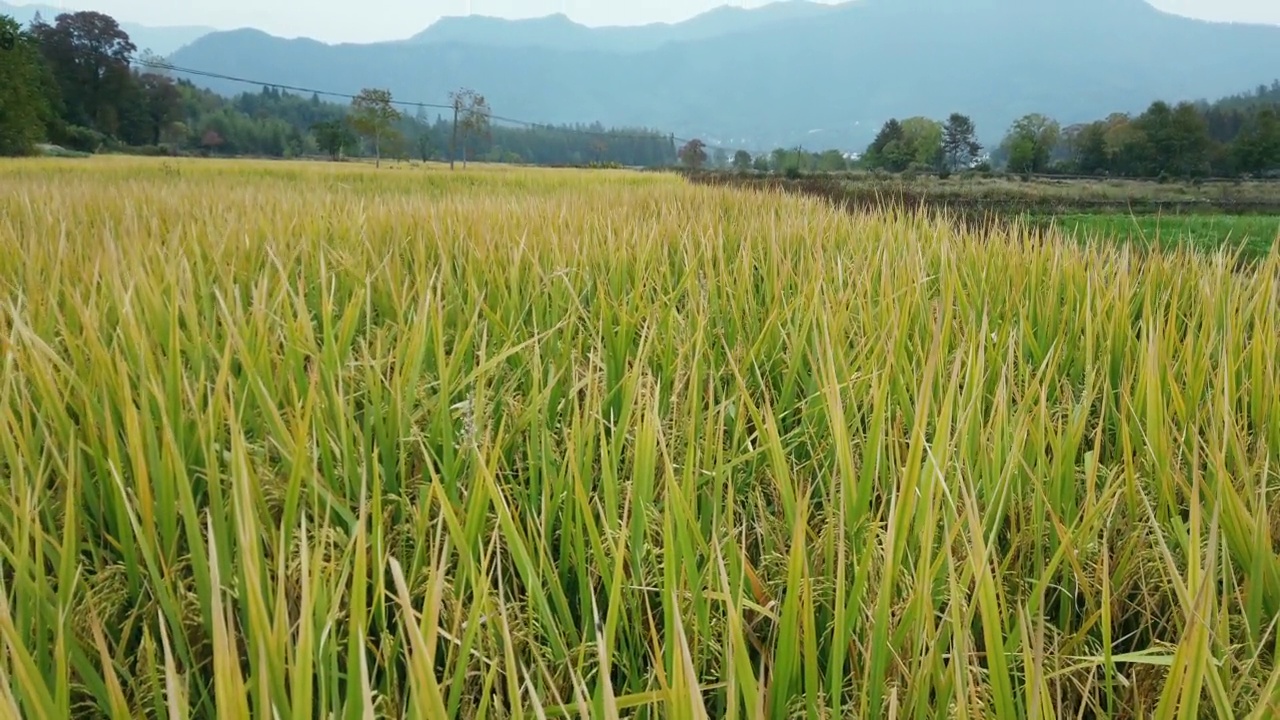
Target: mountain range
point(790, 73)
point(159, 40)
point(558, 32)
point(786, 74)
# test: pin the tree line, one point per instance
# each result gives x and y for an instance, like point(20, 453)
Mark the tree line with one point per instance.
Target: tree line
point(899, 146)
point(78, 83)
point(1233, 137)
point(1237, 136)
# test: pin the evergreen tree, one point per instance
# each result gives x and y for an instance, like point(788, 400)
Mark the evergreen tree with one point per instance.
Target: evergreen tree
point(960, 141)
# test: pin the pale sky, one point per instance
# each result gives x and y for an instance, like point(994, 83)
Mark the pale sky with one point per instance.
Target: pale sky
point(372, 20)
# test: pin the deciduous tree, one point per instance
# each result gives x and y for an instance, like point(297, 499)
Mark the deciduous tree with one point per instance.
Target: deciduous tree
point(471, 117)
point(599, 148)
point(1089, 152)
point(24, 105)
point(922, 138)
point(423, 145)
point(720, 158)
point(161, 105)
point(333, 137)
point(1030, 143)
point(88, 54)
point(372, 115)
point(1177, 141)
point(211, 141)
point(832, 161)
point(694, 154)
point(1257, 150)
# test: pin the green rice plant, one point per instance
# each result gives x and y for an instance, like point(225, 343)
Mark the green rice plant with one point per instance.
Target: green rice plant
point(1249, 235)
point(304, 440)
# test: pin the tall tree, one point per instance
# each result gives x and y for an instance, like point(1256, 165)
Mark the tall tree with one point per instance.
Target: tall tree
point(742, 160)
point(422, 143)
point(333, 137)
point(599, 148)
point(1089, 149)
point(694, 154)
point(373, 115)
point(1193, 146)
point(889, 132)
point(211, 140)
point(782, 158)
point(89, 54)
point(161, 106)
point(24, 105)
point(719, 158)
point(1177, 140)
point(960, 141)
point(470, 120)
point(888, 150)
point(923, 140)
point(1127, 146)
point(1257, 150)
point(1030, 143)
point(832, 161)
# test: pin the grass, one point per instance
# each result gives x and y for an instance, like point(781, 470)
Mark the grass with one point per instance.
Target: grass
point(1252, 235)
point(297, 441)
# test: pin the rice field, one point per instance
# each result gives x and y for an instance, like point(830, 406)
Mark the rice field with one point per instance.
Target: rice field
point(1248, 236)
point(314, 441)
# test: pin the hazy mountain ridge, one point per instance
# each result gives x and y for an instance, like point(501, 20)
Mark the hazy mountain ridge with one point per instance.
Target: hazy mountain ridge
point(559, 32)
point(791, 68)
point(161, 40)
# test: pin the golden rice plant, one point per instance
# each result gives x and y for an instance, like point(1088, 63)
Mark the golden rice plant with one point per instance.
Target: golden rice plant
point(314, 441)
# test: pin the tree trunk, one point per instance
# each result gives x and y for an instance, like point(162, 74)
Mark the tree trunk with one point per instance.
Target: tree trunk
point(453, 145)
point(377, 151)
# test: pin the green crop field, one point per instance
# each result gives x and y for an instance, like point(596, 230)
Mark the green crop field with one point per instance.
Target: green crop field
point(319, 441)
point(1250, 235)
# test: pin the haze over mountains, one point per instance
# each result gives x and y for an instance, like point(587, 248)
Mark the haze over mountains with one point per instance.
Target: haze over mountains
point(558, 32)
point(159, 40)
point(791, 73)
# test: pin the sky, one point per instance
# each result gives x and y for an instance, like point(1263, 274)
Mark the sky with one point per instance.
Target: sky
point(373, 20)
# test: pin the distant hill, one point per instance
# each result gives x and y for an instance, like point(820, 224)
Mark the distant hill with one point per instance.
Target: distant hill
point(792, 73)
point(558, 32)
point(160, 40)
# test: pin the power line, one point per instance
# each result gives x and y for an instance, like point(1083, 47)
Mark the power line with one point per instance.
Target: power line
point(156, 64)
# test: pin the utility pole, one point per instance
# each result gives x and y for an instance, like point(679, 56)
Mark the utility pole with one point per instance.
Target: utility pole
point(453, 145)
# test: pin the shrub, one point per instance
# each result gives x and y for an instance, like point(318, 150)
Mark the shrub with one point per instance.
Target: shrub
point(152, 150)
point(77, 137)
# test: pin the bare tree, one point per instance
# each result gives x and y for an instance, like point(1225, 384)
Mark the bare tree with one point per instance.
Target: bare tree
point(470, 119)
